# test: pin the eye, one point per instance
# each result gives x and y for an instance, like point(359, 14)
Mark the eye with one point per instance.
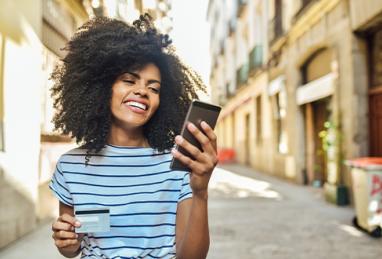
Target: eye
point(129, 82)
point(154, 90)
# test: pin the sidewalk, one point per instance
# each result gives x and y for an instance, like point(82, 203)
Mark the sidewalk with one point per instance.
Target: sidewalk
point(36, 245)
point(253, 215)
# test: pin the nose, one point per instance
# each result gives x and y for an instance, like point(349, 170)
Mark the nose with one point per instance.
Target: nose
point(140, 89)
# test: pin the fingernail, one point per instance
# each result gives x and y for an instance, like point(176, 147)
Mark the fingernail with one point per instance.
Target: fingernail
point(77, 224)
point(179, 139)
point(191, 126)
point(76, 236)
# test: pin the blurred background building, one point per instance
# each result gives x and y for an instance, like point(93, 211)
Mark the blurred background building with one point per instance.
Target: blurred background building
point(300, 82)
point(301, 86)
point(32, 35)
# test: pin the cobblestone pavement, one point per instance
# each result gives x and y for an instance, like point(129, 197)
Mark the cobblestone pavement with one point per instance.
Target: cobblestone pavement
point(254, 215)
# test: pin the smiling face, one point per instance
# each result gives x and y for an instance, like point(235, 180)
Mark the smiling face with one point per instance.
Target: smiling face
point(135, 97)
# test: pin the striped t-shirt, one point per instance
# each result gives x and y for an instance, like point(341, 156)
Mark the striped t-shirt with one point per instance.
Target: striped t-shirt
point(138, 187)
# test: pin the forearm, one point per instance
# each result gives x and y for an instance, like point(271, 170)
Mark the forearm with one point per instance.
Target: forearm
point(196, 239)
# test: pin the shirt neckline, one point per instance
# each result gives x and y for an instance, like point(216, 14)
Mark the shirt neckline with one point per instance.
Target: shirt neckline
point(129, 149)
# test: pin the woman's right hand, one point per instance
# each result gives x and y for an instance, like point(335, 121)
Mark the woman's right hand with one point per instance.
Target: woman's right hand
point(64, 236)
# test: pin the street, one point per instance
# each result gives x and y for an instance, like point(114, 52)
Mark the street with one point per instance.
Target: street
point(254, 215)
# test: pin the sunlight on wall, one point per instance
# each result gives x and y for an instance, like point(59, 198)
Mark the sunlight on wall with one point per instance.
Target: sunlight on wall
point(22, 80)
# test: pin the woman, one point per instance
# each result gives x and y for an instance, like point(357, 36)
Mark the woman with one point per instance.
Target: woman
point(122, 93)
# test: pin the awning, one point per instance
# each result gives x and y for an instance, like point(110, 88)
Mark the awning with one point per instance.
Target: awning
point(276, 85)
point(315, 90)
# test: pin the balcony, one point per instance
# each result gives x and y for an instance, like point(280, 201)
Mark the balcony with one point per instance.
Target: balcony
point(242, 75)
point(221, 47)
point(255, 59)
point(241, 4)
point(305, 4)
point(275, 29)
point(232, 26)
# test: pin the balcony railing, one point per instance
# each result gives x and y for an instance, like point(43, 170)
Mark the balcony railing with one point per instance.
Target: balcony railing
point(275, 29)
point(221, 47)
point(255, 58)
point(305, 4)
point(232, 26)
point(240, 6)
point(242, 75)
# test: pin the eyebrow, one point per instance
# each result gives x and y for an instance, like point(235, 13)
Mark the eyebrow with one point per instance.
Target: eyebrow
point(138, 77)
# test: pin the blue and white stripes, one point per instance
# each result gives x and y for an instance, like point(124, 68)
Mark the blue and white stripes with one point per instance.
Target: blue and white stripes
point(140, 190)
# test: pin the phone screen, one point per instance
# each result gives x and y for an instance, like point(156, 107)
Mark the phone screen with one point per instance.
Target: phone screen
point(198, 112)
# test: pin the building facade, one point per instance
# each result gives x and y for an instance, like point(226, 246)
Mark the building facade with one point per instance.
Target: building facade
point(312, 100)
point(32, 35)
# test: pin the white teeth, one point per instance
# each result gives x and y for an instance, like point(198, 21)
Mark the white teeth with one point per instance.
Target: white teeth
point(138, 105)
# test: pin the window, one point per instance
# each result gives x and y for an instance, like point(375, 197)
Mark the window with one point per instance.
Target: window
point(275, 25)
point(282, 143)
point(258, 120)
point(49, 62)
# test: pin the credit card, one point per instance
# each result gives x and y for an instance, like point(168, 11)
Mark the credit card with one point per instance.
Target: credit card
point(93, 220)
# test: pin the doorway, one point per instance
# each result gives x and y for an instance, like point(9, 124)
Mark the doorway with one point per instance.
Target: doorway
point(375, 122)
point(316, 114)
point(247, 139)
point(375, 93)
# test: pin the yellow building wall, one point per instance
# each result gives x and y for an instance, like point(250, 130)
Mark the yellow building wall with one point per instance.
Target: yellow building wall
point(228, 132)
point(240, 129)
point(232, 127)
point(1, 83)
point(362, 11)
point(20, 23)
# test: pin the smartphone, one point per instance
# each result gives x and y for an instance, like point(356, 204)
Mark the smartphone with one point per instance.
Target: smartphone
point(197, 112)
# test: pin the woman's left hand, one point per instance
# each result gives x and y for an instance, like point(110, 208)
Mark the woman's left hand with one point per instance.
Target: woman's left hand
point(205, 160)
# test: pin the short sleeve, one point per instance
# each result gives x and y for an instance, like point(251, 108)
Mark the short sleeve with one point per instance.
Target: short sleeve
point(186, 191)
point(59, 186)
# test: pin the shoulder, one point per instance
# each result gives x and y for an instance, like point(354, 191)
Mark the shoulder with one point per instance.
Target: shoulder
point(71, 154)
point(78, 151)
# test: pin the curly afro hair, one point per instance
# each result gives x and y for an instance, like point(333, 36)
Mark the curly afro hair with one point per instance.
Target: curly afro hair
point(100, 51)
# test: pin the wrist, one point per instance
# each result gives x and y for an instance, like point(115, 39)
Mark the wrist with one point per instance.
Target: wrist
point(200, 195)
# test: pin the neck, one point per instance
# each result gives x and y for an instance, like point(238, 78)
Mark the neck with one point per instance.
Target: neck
point(127, 137)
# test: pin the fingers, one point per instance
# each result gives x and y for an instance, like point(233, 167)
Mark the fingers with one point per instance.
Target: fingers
point(205, 160)
point(193, 165)
point(69, 219)
point(64, 235)
point(207, 139)
point(59, 225)
point(63, 231)
point(194, 151)
point(210, 133)
point(61, 243)
point(65, 222)
point(203, 138)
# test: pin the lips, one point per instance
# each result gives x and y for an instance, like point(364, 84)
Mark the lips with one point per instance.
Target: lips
point(136, 104)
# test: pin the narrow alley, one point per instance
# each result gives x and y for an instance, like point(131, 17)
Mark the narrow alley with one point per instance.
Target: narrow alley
point(253, 215)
